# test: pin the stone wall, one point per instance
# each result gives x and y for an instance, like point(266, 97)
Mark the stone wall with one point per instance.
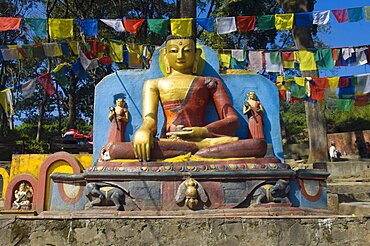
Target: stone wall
point(221, 231)
point(346, 141)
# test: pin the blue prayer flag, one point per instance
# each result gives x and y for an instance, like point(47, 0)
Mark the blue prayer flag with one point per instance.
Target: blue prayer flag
point(79, 71)
point(207, 23)
point(355, 14)
point(88, 27)
point(65, 48)
point(303, 19)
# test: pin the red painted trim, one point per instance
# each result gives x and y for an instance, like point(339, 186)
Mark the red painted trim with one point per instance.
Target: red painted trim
point(13, 185)
point(310, 198)
point(59, 156)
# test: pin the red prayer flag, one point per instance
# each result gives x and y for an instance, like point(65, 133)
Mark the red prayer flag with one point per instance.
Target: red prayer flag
point(45, 81)
point(246, 23)
point(287, 55)
point(282, 95)
point(294, 100)
point(9, 23)
point(341, 15)
point(343, 82)
point(317, 88)
point(132, 25)
point(106, 60)
point(362, 100)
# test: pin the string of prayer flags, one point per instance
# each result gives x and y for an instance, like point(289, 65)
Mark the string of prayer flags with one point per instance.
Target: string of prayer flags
point(9, 54)
point(60, 28)
point(246, 23)
point(304, 19)
point(52, 50)
point(355, 14)
point(224, 58)
point(367, 13)
point(116, 51)
point(284, 21)
point(363, 84)
point(255, 60)
point(272, 67)
point(28, 88)
point(45, 82)
point(159, 26)
point(306, 60)
point(6, 101)
point(321, 17)
point(324, 59)
point(265, 22)
point(116, 24)
point(317, 88)
point(182, 27)
point(341, 15)
point(38, 26)
point(79, 71)
point(133, 25)
point(134, 55)
point(207, 24)
point(225, 25)
point(9, 23)
point(88, 27)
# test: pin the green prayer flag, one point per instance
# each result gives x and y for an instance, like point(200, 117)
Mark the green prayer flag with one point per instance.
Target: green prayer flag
point(275, 57)
point(61, 78)
point(324, 59)
point(28, 49)
point(38, 26)
point(367, 13)
point(159, 26)
point(344, 104)
point(237, 64)
point(265, 22)
point(297, 91)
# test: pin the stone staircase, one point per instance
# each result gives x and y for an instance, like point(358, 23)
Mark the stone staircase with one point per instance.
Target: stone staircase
point(349, 187)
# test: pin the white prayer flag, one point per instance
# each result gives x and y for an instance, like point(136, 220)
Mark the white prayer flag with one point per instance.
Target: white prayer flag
point(270, 67)
point(225, 25)
point(238, 55)
point(321, 18)
point(363, 84)
point(86, 62)
point(28, 88)
point(116, 24)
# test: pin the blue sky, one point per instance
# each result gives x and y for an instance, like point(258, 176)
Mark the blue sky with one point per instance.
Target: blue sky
point(345, 34)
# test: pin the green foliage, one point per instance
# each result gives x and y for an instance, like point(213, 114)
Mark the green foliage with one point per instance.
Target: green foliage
point(358, 118)
point(294, 122)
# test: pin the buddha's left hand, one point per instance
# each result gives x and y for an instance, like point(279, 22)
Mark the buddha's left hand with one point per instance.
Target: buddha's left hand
point(191, 132)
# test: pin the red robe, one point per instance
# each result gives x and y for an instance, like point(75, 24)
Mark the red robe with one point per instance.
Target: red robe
point(191, 111)
point(255, 122)
point(117, 130)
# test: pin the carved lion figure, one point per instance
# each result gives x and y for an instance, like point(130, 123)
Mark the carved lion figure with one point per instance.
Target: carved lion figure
point(273, 193)
point(104, 195)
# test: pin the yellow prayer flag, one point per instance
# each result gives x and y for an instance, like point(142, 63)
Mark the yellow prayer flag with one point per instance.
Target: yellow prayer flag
point(74, 47)
point(333, 82)
point(60, 28)
point(284, 21)
point(306, 59)
point(182, 27)
point(224, 57)
point(288, 64)
point(134, 55)
point(116, 51)
point(59, 67)
point(299, 81)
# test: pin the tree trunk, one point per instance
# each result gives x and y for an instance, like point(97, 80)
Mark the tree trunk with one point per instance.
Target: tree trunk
point(188, 9)
point(72, 103)
point(315, 117)
point(42, 115)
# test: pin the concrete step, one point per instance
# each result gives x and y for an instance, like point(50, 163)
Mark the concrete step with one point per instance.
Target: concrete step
point(345, 169)
point(357, 208)
point(356, 197)
point(349, 187)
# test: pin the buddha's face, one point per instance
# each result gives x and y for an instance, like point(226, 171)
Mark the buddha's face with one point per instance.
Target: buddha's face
point(181, 54)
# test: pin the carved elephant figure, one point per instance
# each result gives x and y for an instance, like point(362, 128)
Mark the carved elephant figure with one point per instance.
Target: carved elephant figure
point(273, 193)
point(104, 195)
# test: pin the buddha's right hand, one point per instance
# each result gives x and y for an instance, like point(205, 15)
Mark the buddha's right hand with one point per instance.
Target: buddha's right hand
point(143, 142)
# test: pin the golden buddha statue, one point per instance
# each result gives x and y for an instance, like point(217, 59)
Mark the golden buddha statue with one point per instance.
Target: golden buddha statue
point(184, 97)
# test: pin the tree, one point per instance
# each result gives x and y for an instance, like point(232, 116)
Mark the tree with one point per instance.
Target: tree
point(314, 111)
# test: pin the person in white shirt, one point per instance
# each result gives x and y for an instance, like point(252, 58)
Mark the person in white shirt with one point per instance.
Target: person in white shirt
point(332, 152)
